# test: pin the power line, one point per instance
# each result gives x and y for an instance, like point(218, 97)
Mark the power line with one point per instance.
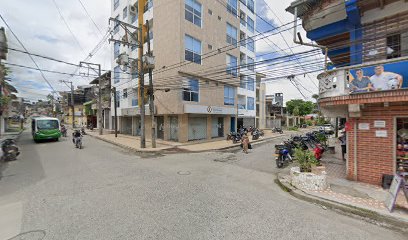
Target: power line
point(31, 57)
point(89, 16)
point(66, 24)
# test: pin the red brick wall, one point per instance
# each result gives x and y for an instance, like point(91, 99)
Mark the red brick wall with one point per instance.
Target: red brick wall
point(375, 155)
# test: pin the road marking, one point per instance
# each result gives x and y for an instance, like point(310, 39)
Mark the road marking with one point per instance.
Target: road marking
point(10, 219)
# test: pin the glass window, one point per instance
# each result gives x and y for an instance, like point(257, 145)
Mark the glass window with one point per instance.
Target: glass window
point(149, 4)
point(232, 34)
point(250, 84)
point(115, 4)
point(250, 23)
point(116, 49)
point(243, 2)
point(250, 62)
point(191, 90)
point(242, 81)
point(242, 39)
point(125, 93)
point(232, 66)
point(251, 103)
point(250, 5)
point(193, 12)
point(125, 12)
point(116, 74)
point(229, 95)
point(134, 102)
point(251, 44)
point(47, 124)
point(232, 6)
point(192, 49)
point(241, 102)
point(116, 25)
point(242, 18)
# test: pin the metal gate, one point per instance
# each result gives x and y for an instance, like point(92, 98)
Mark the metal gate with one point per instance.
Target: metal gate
point(173, 128)
point(197, 128)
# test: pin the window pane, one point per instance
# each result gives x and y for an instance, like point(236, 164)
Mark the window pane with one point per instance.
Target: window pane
point(186, 95)
point(194, 97)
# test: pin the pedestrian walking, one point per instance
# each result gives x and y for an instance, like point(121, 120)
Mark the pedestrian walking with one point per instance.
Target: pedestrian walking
point(343, 142)
point(245, 143)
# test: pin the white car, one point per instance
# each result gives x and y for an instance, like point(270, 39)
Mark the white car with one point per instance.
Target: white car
point(327, 128)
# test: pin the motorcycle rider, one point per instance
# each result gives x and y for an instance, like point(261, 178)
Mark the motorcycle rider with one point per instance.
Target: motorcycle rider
point(76, 136)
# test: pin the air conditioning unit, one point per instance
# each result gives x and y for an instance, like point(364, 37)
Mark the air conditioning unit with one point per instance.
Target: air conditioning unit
point(133, 9)
point(123, 59)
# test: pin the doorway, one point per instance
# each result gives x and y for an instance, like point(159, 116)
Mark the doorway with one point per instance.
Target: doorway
point(173, 128)
point(160, 127)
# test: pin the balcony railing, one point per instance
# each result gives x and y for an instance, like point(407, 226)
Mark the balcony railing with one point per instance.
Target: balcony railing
point(375, 77)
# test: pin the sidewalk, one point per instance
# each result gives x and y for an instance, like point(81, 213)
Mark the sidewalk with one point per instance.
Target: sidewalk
point(357, 198)
point(133, 142)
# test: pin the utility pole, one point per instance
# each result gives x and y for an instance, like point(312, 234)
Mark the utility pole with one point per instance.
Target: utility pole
point(72, 101)
point(141, 4)
point(100, 122)
point(151, 92)
point(116, 111)
point(124, 60)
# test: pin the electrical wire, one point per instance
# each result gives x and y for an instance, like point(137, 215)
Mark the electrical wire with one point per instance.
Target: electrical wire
point(89, 16)
point(31, 57)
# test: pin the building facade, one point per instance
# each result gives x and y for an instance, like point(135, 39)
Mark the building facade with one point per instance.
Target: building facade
point(367, 43)
point(197, 49)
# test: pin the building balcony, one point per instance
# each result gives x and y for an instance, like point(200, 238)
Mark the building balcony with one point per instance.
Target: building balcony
point(380, 82)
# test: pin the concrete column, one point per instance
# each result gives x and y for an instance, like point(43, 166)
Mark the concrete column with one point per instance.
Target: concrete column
point(183, 128)
point(227, 125)
point(166, 133)
point(209, 127)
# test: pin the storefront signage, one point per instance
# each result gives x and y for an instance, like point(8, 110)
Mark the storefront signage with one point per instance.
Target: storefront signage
point(379, 78)
point(202, 109)
point(134, 111)
point(379, 124)
point(392, 194)
point(363, 126)
point(381, 133)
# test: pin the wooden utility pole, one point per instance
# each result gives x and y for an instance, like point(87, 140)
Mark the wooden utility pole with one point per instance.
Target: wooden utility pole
point(116, 111)
point(151, 92)
point(141, 5)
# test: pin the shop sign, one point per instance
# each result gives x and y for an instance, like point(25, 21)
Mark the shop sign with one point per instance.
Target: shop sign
point(396, 185)
point(381, 133)
point(379, 124)
point(363, 126)
point(381, 77)
point(202, 109)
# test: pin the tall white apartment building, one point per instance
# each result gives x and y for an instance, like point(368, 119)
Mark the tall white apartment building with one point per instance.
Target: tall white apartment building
point(198, 49)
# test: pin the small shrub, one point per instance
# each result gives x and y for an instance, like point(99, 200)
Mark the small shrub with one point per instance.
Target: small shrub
point(293, 129)
point(306, 159)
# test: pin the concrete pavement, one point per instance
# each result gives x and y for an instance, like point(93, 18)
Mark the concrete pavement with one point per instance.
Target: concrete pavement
point(106, 192)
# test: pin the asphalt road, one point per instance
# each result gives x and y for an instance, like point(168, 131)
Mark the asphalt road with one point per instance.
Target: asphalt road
point(103, 192)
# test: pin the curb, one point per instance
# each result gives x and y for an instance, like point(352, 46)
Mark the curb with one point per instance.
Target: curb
point(126, 147)
point(179, 150)
point(348, 210)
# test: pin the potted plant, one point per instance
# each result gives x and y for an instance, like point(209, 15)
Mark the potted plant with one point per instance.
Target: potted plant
point(306, 160)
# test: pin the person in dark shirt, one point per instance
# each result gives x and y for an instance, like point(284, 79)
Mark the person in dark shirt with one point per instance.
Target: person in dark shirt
point(361, 83)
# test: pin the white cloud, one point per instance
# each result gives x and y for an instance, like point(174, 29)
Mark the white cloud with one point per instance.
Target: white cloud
point(279, 16)
point(41, 29)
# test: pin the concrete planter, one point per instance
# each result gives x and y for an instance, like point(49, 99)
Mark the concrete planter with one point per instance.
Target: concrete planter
point(308, 181)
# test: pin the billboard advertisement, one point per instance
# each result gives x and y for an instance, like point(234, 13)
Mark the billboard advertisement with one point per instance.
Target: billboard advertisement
point(382, 77)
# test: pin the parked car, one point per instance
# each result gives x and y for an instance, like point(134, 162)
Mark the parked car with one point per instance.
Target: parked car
point(327, 128)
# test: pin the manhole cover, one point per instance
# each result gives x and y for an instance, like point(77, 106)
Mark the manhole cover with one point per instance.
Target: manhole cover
point(183, 173)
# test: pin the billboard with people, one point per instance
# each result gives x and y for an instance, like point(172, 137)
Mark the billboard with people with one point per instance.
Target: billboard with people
point(379, 77)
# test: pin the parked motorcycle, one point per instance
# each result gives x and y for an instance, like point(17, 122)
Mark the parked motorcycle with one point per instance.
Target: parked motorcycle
point(236, 138)
point(83, 131)
point(255, 134)
point(282, 155)
point(10, 150)
point(90, 126)
point(279, 130)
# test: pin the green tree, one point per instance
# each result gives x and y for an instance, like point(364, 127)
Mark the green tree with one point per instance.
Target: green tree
point(298, 107)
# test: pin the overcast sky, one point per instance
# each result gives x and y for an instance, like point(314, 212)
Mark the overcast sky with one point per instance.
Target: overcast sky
point(41, 29)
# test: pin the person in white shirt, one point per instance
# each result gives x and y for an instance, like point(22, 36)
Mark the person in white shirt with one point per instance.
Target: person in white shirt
point(382, 80)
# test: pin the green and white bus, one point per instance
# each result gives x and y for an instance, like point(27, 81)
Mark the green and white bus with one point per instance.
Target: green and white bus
point(45, 128)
